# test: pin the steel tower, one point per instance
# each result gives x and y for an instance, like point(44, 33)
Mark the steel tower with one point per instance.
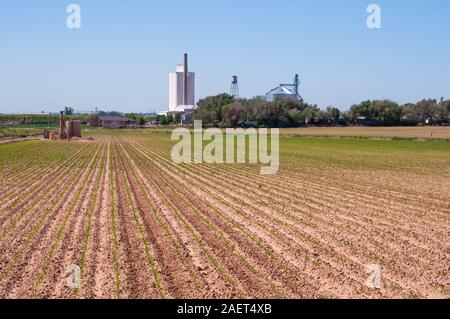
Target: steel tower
point(234, 91)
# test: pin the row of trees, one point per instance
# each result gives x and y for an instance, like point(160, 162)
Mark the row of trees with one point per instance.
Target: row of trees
point(140, 120)
point(387, 112)
point(38, 119)
point(168, 119)
point(223, 110)
point(94, 119)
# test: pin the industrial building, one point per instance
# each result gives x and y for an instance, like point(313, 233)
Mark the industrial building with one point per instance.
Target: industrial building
point(285, 91)
point(181, 88)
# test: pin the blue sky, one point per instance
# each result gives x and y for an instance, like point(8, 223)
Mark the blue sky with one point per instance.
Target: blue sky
point(121, 56)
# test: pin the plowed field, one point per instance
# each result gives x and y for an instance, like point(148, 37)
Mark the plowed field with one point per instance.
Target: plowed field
point(139, 226)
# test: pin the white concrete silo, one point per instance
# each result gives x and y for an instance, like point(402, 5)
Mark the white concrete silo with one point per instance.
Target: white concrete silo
point(181, 81)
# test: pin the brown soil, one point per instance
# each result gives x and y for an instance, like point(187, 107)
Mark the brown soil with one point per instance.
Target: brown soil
point(139, 226)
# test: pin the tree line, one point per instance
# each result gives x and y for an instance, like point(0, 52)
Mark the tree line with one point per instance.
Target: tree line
point(224, 111)
point(38, 119)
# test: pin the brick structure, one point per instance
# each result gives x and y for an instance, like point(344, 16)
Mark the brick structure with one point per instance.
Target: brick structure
point(73, 129)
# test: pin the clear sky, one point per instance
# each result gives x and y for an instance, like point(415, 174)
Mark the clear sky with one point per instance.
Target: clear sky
point(121, 56)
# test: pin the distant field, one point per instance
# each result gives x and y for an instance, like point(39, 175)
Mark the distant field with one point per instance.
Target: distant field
point(424, 133)
point(429, 132)
point(19, 131)
point(140, 226)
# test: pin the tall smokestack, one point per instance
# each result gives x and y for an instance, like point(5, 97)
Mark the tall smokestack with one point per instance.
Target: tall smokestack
point(62, 131)
point(185, 88)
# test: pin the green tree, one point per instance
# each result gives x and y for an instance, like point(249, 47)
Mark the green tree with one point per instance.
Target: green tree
point(163, 120)
point(252, 106)
point(233, 114)
point(447, 103)
point(170, 119)
point(334, 114)
point(270, 115)
point(445, 107)
point(379, 111)
point(387, 111)
point(322, 118)
point(210, 109)
point(426, 109)
point(309, 114)
point(360, 110)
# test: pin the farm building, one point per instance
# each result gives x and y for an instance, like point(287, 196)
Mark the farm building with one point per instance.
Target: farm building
point(285, 91)
point(115, 122)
